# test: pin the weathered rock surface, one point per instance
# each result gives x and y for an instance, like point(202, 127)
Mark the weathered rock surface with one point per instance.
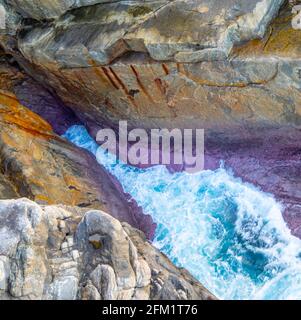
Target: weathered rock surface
point(168, 63)
point(48, 9)
point(10, 20)
point(7, 190)
point(37, 161)
point(186, 31)
point(121, 60)
point(46, 252)
point(38, 164)
point(231, 67)
point(36, 98)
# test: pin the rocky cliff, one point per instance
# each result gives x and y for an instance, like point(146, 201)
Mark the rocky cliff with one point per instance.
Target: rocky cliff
point(231, 67)
point(38, 164)
point(71, 250)
point(59, 252)
point(162, 63)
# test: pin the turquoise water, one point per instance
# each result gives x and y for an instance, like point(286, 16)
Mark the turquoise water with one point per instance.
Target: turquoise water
point(228, 234)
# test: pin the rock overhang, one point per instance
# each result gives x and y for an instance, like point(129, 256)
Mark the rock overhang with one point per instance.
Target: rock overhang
point(181, 31)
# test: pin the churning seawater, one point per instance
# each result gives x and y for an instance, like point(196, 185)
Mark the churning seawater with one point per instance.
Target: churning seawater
point(230, 235)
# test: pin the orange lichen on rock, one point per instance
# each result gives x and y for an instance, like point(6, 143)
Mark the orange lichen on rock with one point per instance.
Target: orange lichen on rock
point(38, 163)
point(12, 112)
point(281, 40)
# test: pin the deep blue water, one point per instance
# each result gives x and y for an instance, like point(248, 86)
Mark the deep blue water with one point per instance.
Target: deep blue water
point(228, 234)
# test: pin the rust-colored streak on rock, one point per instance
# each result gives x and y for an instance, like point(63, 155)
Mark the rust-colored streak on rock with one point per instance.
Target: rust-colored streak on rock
point(165, 68)
point(126, 91)
point(180, 68)
point(107, 74)
point(210, 83)
point(140, 84)
point(124, 88)
point(160, 86)
point(103, 74)
point(33, 132)
point(8, 95)
point(29, 146)
point(12, 112)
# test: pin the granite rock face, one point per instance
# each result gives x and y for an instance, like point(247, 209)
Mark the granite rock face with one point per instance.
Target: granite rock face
point(68, 253)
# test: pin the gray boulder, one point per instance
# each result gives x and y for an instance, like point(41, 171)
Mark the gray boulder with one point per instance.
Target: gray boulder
point(45, 253)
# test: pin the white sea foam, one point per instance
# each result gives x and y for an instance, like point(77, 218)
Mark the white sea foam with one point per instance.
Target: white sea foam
point(228, 234)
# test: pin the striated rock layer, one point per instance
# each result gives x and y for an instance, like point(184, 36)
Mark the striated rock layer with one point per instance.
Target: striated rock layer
point(67, 253)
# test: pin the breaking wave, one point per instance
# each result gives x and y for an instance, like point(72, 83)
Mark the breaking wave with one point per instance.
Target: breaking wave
point(230, 235)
